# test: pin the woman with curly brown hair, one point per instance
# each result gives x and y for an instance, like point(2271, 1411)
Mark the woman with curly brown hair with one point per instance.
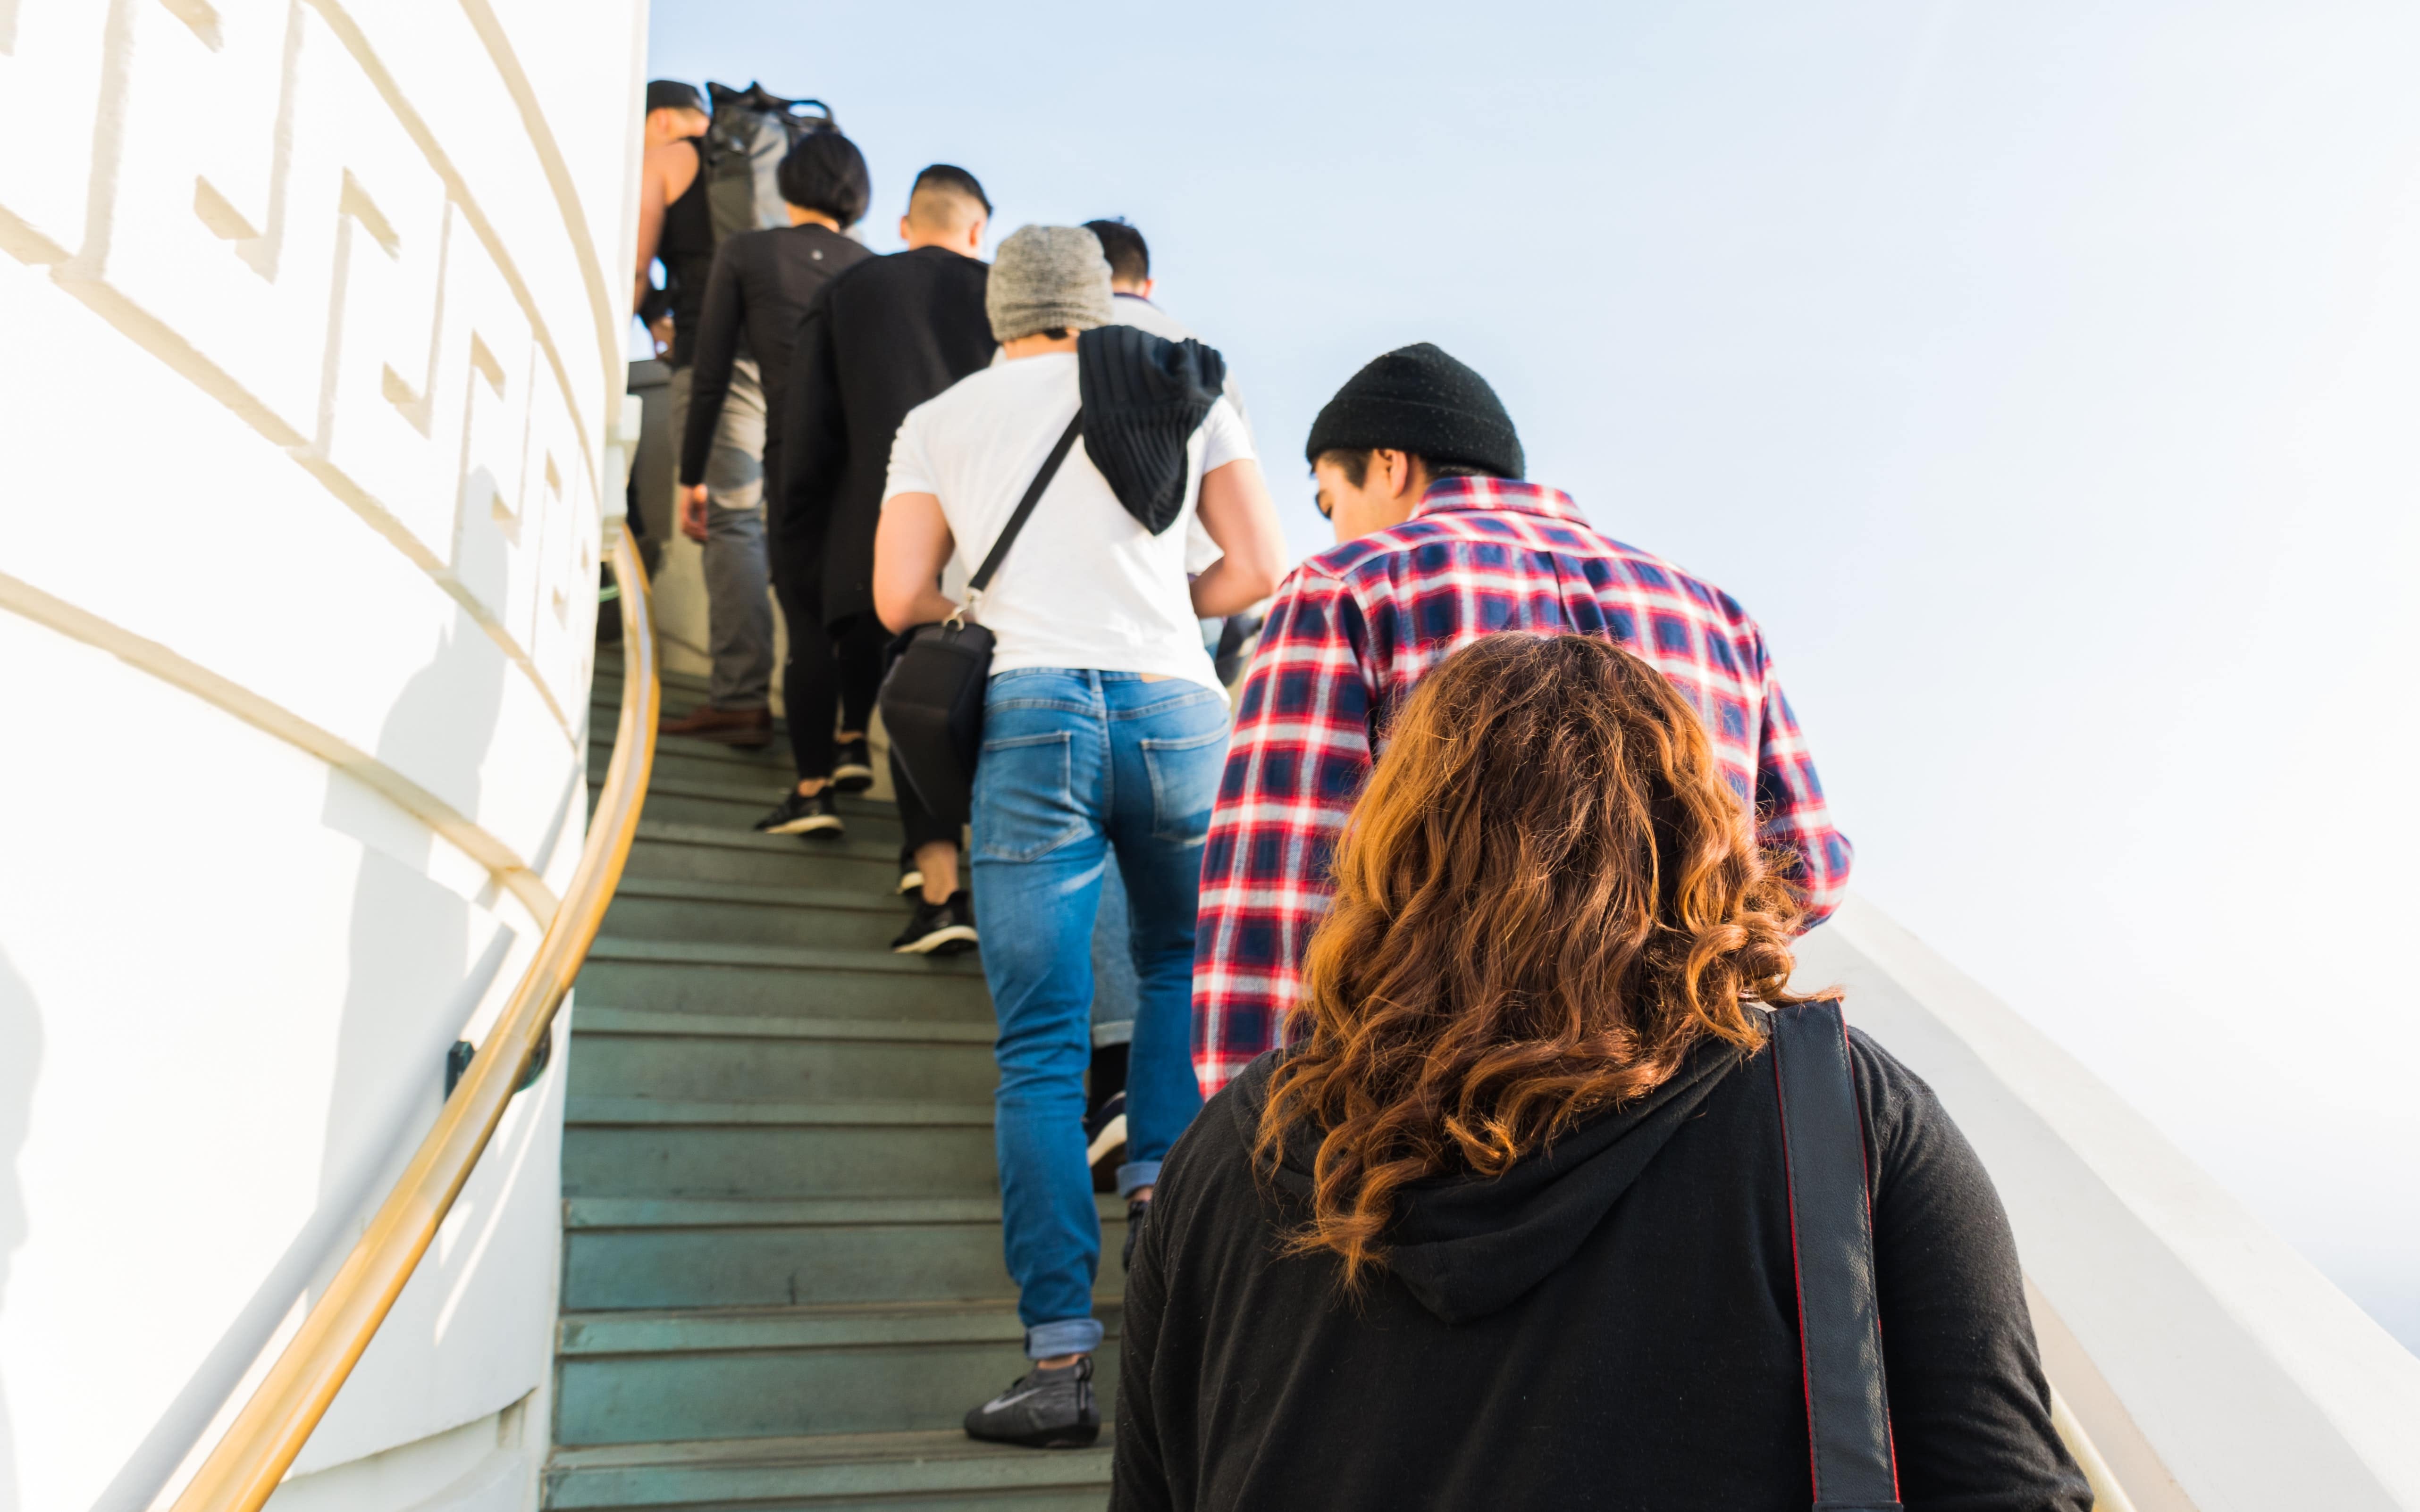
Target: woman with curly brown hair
point(1509, 1224)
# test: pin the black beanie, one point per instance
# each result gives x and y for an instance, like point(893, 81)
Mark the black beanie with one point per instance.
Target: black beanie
point(1418, 399)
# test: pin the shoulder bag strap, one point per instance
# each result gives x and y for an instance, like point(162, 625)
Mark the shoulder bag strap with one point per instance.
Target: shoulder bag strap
point(1832, 1248)
point(982, 579)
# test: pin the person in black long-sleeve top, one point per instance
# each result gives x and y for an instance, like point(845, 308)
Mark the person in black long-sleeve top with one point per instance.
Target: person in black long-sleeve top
point(1508, 1225)
point(763, 283)
point(881, 339)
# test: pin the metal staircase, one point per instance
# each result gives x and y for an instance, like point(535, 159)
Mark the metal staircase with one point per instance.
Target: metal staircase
point(782, 1282)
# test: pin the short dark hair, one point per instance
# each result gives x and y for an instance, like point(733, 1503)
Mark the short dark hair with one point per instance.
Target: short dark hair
point(671, 94)
point(826, 172)
point(1123, 245)
point(951, 178)
point(1355, 465)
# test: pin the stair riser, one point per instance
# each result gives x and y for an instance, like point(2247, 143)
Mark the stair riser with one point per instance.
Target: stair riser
point(700, 762)
point(740, 814)
point(778, 1161)
point(915, 997)
point(616, 1269)
point(771, 1392)
point(721, 1069)
point(733, 924)
point(641, 1489)
point(805, 867)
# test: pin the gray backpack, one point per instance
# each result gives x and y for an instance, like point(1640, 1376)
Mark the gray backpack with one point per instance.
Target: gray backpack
point(752, 131)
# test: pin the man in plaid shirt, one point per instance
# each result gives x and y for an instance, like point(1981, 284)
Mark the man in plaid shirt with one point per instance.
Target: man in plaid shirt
point(1417, 462)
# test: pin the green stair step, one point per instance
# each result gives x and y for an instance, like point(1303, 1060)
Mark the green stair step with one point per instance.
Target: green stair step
point(730, 806)
point(681, 756)
point(622, 1052)
point(652, 1147)
point(709, 853)
point(738, 980)
point(744, 1373)
point(669, 1253)
point(832, 1472)
point(676, 908)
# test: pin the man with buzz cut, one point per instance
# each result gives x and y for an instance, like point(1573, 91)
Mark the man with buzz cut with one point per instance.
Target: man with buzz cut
point(881, 339)
point(1438, 543)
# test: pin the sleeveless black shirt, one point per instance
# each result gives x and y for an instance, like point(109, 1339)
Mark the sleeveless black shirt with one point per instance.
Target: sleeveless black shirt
point(686, 251)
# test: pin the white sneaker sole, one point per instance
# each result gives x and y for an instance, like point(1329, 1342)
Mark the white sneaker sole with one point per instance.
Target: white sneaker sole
point(910, 882)
point(1113, 1134)
point(852, 778)
point(805, 826)
point(935, 940)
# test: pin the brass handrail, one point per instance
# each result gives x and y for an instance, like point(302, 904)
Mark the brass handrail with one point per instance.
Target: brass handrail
point(253, 1456)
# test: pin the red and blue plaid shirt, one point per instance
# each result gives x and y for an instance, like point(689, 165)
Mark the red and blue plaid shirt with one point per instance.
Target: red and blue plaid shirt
point(1353, 628)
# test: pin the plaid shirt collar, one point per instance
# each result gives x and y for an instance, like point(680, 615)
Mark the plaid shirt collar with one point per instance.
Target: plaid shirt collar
point(1498, 493)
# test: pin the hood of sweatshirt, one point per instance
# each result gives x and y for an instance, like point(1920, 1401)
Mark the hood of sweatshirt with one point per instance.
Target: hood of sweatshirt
point(1466, 1246)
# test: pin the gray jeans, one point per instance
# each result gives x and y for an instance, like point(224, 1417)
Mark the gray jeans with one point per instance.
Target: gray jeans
point(739, 616)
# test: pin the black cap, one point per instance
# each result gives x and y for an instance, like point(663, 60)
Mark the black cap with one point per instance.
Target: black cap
point(670, 94)
point(1418, 399)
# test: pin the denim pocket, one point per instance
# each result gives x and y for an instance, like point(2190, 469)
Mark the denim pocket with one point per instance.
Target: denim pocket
point(1024, 804)
point(1184, 781)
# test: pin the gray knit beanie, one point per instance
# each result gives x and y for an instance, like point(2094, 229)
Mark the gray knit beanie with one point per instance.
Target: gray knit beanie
point(1047, 277)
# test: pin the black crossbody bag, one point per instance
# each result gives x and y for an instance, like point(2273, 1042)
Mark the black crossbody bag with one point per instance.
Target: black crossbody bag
point(932, 699)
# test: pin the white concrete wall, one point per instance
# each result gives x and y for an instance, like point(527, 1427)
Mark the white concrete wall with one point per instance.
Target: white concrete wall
point(313, 339)
point(2216, 1369)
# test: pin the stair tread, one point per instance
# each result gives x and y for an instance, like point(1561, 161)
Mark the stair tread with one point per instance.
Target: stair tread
point(802, 957)
point(807, 1326)
point(886, 1465)
point(593, 1110)
point(661, 833)
point(774, 757)
point(763, 1026)
point(759, 895)
point(588, 1213)
point(818, 1449)
point(851, 806)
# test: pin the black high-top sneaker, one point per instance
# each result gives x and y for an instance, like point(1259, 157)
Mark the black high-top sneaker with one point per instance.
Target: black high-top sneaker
point(1044, 1410)
point(800, 813)
point(938, 929)
point(852, 765)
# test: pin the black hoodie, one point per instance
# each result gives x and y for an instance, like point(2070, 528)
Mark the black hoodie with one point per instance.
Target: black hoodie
point(1612, 1324)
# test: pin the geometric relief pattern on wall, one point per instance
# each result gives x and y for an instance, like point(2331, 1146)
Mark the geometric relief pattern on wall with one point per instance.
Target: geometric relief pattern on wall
point(251, 208)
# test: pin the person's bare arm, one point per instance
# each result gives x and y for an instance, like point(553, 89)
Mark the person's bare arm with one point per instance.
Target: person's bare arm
point(911, 545)
point(664, 174)
point(1236, 512)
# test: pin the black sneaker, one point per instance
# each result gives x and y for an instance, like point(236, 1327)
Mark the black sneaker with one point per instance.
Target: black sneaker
point(938, 929)
point(1135, 1211)
point(1044, 1410)
point(852, 765)
point(911, 876)
point(799, 813)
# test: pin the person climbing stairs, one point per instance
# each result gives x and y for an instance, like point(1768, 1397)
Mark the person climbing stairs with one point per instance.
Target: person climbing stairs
point(782, 1277)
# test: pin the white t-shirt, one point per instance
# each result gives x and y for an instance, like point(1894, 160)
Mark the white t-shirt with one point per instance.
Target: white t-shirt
point(1085, 585)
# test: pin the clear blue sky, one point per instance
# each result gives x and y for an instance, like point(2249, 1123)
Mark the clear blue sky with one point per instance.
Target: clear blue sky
point(2043, 377)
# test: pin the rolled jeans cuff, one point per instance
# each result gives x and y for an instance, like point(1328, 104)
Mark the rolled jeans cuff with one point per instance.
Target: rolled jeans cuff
point(1069, 1335)
point(1136, 1174)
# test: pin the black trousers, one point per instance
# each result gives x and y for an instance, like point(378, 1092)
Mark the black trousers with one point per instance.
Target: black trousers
point(829, 683)
point(831, 677)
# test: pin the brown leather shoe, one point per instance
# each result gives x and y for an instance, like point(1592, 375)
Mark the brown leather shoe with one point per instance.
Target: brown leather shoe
point(748, 729)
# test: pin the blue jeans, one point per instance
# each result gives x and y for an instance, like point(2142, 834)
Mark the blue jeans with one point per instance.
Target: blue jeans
point(1074, 765)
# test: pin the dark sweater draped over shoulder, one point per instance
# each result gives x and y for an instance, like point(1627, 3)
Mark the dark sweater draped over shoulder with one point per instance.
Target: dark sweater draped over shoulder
point(1612, 1324)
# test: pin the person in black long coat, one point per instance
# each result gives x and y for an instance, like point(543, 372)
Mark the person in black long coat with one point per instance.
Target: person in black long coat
point(881, 339)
